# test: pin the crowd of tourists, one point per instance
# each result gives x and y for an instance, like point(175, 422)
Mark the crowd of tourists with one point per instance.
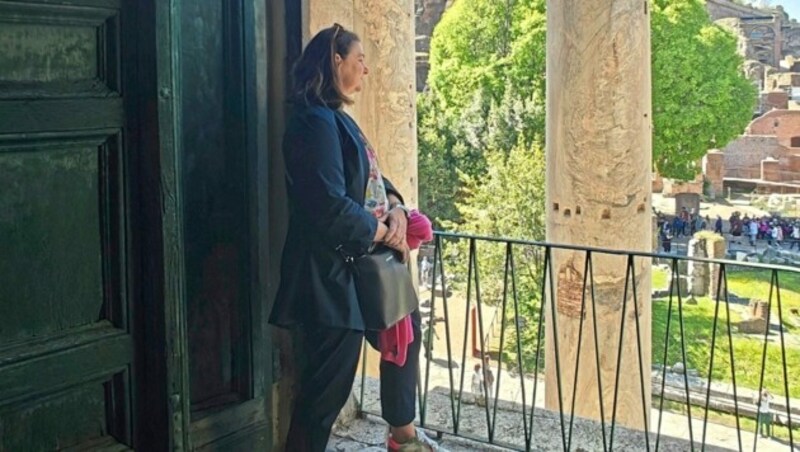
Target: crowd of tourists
point(777, 231)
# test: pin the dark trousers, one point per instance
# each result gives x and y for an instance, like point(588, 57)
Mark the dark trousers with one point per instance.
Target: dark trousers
point(326, 383)
point(764, 424)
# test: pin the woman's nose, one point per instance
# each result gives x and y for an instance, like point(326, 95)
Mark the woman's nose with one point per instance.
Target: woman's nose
point(366, 70)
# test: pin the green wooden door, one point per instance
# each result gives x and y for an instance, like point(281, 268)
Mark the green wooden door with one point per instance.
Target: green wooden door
point(66, 347)
point(222, 99)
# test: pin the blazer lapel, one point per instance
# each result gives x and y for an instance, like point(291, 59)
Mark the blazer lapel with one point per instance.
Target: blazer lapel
point(354, 134)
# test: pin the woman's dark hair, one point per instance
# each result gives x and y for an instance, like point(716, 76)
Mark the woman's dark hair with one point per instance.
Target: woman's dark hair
point(316, 81)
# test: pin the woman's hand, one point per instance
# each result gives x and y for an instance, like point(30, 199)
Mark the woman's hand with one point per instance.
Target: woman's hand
point(403, 249)
point(398, 224)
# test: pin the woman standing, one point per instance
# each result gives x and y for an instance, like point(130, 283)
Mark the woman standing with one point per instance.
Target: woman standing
point(339, 204)
point(765, 415)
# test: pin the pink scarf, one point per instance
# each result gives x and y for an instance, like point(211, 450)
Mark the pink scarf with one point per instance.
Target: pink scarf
point(394, 341)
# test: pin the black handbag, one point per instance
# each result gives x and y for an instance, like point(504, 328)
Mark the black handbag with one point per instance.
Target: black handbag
point(384, 287)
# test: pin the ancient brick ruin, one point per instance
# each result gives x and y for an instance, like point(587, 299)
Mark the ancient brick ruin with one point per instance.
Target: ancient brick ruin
point(766, 158)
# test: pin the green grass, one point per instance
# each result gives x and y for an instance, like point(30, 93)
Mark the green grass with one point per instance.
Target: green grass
point(660, 278)
point(756, 284)
point(698, 326)
point(698, 321)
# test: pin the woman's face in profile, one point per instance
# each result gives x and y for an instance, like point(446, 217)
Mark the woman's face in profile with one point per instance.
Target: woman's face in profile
point(352, 69)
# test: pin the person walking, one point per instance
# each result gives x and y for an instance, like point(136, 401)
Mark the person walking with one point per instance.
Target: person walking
point(753, 229)
point(718, 225)
point(478, 386)
point(666, 237)
point(425, 269)
point(339, 205)
point(764, 422)
point(773, 235)
point(427, 343)
point(488, 379)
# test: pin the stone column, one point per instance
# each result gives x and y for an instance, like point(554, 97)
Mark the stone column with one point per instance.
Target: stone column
point(386, 109)
point(714, 170)
point(715, 249)
point(698, 272)
point(598, 194)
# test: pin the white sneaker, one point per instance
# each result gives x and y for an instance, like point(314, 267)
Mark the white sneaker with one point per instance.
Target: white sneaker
point(420, 443)
point(428, 441)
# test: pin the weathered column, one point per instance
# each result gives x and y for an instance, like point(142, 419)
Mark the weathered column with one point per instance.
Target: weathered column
point(386, 108)
point(598, 194)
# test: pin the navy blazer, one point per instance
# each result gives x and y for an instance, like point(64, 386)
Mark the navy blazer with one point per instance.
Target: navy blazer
point(326, 178)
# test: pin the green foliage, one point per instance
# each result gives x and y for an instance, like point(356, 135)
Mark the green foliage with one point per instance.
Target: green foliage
point(482, 45)
point(482, 127)
point(486, 92)
point(504, 202)
point(507, 200)
point(487, 89)
point(701, 98)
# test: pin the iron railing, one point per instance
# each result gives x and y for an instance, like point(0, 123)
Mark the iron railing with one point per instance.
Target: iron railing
point(527, 266)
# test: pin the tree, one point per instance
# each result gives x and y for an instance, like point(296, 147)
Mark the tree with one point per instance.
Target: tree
point(484, 54)
point(488, 46)
point(507, 201)
point(701, 97)
point(481, 129)
point(518, 177)
point(488, 53)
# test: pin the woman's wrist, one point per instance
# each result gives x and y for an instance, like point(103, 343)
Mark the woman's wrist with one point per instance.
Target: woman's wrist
point(399, 205)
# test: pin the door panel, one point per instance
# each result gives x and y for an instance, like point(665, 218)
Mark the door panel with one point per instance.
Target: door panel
point(65, 346)
point(215, 205)
point(223, 152)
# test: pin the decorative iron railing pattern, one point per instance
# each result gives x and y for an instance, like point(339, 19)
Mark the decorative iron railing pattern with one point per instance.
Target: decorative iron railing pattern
point(456, 254)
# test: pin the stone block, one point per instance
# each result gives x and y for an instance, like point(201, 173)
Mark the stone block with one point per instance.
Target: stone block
point(697, 271)
point(753, 326)
point(713, 170)
point(683, 267)
point(682, 287)
point(758, 309)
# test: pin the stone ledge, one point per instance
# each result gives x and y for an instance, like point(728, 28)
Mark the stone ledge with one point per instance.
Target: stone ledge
point(509, 430)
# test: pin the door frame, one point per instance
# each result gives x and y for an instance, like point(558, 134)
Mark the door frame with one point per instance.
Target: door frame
point(160, 393)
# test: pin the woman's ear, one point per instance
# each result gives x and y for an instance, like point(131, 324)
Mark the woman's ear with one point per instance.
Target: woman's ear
point(337, 59)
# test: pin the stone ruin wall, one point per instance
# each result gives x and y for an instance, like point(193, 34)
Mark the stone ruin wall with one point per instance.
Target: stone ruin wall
point(784, 125)
point(721, 9)
point(747, 152)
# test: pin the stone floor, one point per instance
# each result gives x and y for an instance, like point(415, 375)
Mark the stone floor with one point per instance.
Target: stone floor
point(369, 433)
